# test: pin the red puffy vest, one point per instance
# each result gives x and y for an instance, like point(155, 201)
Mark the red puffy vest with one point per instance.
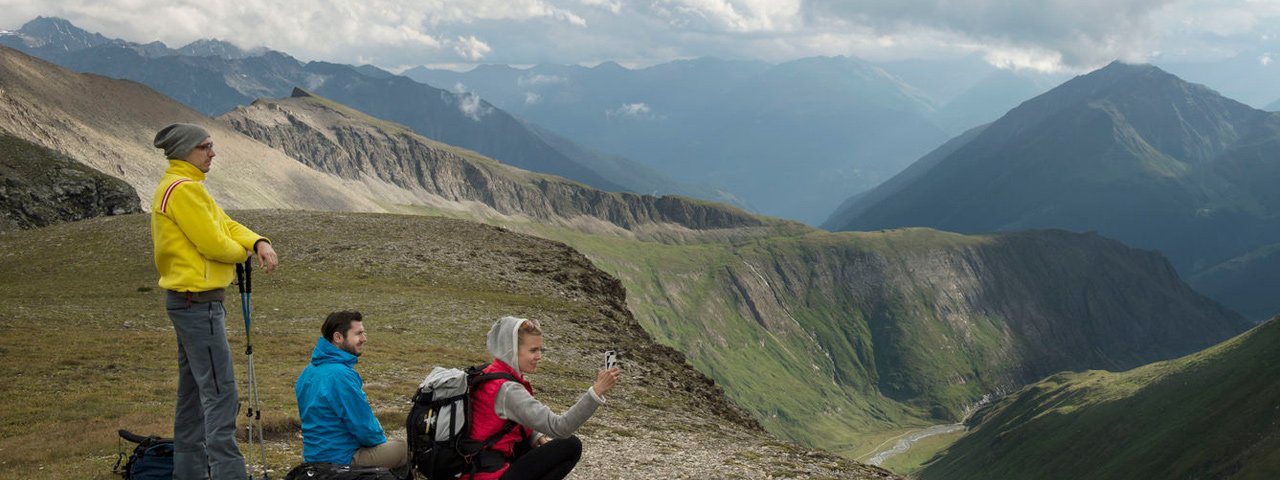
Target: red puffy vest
point(485, 422)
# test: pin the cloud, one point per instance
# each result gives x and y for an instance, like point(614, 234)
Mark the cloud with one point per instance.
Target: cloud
point(471, 48)
point(468, 103)
point(629, 110)
point(531, 98)
point(1033, 34)
point(613, 6)
point(538, 80)
point(1265, 59)
point(732, 15)
point(387, 32)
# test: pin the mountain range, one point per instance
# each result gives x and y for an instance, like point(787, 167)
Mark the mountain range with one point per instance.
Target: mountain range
point(1129, 151)
point(111, 130)
point(214, 77)
point(332, 138)
point(867, 334)
point(790, 140)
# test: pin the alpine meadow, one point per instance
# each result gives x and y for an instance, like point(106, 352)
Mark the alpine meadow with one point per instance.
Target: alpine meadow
point(824, 241)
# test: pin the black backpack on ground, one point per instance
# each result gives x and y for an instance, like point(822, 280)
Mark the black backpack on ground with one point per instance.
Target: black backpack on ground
point(152, 459)
point(439, 421)
point(334, 471)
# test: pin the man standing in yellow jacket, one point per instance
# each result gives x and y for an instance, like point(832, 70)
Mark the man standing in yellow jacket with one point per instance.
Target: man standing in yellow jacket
point(196, 248)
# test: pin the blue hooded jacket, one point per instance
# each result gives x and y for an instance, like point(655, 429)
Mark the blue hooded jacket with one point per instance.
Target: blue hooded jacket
point(335, 413)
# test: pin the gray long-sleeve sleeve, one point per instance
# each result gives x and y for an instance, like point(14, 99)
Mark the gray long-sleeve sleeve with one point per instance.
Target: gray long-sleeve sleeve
point(515, 403)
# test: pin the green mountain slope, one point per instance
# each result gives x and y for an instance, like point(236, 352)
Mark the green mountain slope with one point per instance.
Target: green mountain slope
point(1212, 414)
point(842, 340)
point(97, 351)
point(1129, 151)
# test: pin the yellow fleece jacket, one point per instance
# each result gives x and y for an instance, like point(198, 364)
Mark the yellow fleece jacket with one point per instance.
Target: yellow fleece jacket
point(196, 244)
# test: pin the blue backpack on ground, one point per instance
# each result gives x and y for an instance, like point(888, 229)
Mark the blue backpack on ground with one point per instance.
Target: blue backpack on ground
point(152, 459)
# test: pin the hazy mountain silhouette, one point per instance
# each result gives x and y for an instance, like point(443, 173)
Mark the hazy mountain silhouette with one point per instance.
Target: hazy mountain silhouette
point(1128, 150)
point(791, 140)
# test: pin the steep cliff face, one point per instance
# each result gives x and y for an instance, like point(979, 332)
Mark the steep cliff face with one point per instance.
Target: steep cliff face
point(864, 331)
point(335, 139)
point(39, 187)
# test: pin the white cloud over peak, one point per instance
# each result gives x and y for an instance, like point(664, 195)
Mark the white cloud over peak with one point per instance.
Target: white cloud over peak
point(468, 103)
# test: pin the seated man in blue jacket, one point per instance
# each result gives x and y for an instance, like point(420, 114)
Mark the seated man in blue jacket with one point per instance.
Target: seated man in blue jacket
point(338, 425)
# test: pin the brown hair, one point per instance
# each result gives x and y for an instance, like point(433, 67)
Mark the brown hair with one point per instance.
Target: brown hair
point(528, 328)
point(339, 322)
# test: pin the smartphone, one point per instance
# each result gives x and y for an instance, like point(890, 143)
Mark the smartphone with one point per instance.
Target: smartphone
point(610, 359)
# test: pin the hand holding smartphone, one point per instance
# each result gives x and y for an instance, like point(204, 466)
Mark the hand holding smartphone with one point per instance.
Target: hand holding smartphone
point(606, 379)
point(610, 359)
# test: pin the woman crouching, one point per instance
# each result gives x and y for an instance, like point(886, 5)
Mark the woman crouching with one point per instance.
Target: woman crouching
point(538, 444)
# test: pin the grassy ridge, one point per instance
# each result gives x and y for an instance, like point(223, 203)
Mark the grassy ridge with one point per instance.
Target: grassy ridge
point(1212, 414)
point(95, 350)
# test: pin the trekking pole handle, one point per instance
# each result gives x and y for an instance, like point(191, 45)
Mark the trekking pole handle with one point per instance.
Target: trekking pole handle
point(240, 277)
point(248, 275)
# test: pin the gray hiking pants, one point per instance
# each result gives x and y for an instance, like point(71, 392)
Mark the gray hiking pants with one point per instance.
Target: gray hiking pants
point(204, 423)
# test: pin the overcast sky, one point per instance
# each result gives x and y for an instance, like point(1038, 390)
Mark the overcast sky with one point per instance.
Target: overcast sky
point(1050, 35)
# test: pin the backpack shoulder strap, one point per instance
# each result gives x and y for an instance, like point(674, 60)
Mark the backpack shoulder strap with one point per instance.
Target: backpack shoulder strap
point(481, 379)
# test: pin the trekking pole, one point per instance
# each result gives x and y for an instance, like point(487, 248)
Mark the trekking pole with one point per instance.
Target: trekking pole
point(244, 275)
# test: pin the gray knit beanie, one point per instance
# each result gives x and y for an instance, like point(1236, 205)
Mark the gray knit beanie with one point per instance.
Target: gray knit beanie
point(179, 139)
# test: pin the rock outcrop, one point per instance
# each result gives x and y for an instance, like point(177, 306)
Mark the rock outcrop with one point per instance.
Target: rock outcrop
point(40, 187)
point(336, 139)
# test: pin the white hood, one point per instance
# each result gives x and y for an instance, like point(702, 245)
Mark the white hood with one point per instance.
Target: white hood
point(504, 340)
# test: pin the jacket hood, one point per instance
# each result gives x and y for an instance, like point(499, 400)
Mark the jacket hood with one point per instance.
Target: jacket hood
point(504, 339)
point(326, 353)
